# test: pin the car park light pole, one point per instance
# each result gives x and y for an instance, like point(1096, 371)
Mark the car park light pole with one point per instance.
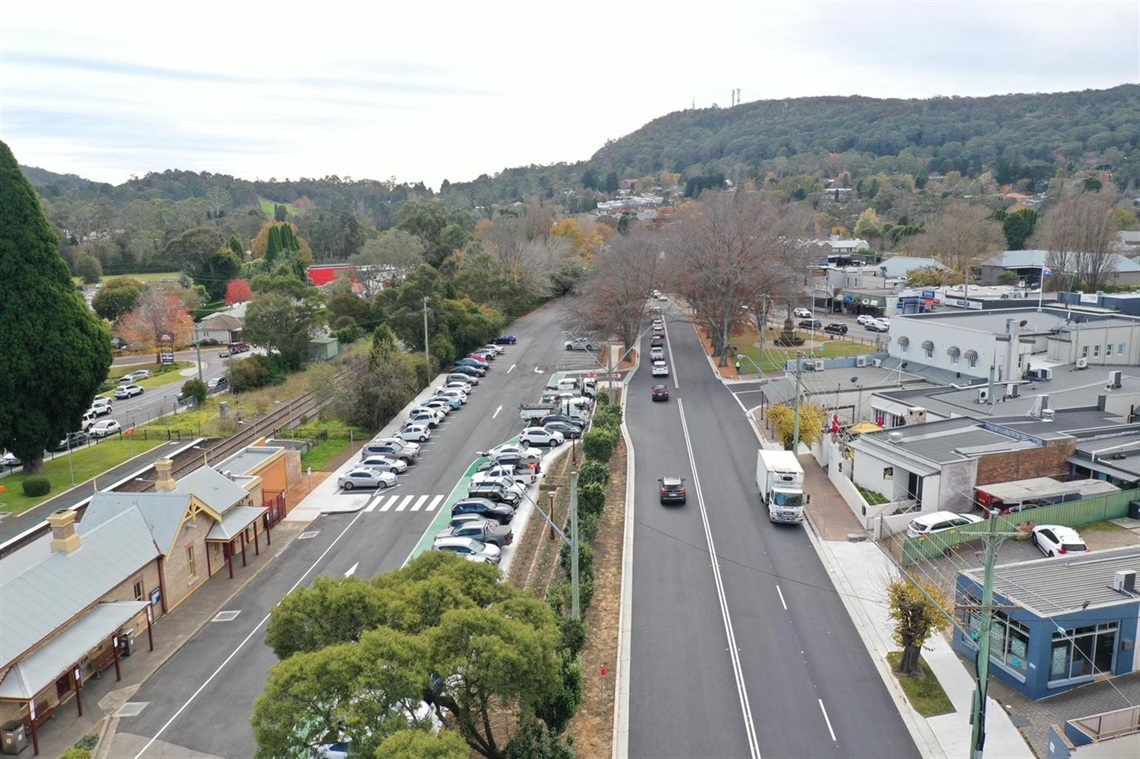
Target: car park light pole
point(571, 540)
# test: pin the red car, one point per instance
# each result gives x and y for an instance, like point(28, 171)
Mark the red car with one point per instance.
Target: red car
point(660, 393)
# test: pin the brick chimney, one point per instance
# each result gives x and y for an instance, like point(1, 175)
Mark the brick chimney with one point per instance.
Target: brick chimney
point(163, 480)
point(63, 535)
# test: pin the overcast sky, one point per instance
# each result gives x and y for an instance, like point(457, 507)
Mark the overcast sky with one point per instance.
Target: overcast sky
point(427, 90)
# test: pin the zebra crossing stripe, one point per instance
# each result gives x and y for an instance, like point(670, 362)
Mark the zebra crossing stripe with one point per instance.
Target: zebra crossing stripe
point(434, 502)
point(404, 503)
point(374, 502)
point(419, 502)
point(390, 502)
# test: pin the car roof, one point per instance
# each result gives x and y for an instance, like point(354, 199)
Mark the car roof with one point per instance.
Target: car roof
point(670, 480)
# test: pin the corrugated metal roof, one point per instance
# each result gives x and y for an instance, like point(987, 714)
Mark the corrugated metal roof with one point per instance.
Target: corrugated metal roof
point(248, 458)
point(1022, 259)
point(212, 488)
point(1048, 587)
point(51, 593)
point(163, 512)
point(234, 522)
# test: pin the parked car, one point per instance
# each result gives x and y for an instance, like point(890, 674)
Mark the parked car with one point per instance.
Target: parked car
point(392, 440)
point(507, 481)
point(469, 366)
point(886, 320)
point(73, 440)
point(812, 324)
point(462, 387)
point(498, 512)
point(468, 548)
point(876, 326)
point(139, 374)
point(511, 472)
point(836, 328)
point(438, 404)
point(474, 363)
point(423, 416)
point(127, 391)
point(497, 348)
point(455, 376)
point(658, 328)
point(398, 450)
point(483, 359)
point(493, 491)
point(505, 340)
point(525, 452)
point(418, 432)
point(660, 393)
point(657, 341)
point(488, 353)
point(539, 436)
point(672, 489)
point(657, 353)
point(365, 478)
point(101, 406)
point(383, 463)
point(546, 420)
point(660, 369)
point(864, 319)
point(217, 383)
point(483, 530)
point(451, 393)
point(802, 313)
point(1057, 540)
point(567, 430)
point(938, 521)
point(105, 428)
point(580, 344)
point(10, 460)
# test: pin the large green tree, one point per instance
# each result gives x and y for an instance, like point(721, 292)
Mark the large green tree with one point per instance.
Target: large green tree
point(116, 297)
point(283, 325)
point(56, 351)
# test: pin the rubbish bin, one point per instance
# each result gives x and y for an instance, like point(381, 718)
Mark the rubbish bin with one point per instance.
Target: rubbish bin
point(126, 643)
point(13, 738)
point(1134, 509)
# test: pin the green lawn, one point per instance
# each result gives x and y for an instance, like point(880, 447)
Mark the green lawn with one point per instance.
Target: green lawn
point(88, 462)
point(775, 359)
point(924, 693)
point(321, 454)
point(169, 373)
point(267, 207)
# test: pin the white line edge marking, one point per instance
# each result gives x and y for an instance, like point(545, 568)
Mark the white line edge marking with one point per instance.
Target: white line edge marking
point(733, 653)
point(672, 363)
point(247, 638)
point(827, 720)
point(782, 601)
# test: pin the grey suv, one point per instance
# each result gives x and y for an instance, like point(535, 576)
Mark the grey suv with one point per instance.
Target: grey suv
point(493, 492)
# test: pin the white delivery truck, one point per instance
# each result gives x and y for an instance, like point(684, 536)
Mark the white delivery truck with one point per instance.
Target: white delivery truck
point(781, 481)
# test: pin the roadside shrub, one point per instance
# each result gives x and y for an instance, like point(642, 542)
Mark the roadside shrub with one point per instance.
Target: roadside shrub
point(558, 707)
point(254, 372)
point(608, 416)
point(588, 526)
point(561, 595)
point(593, 471)
point(603, 399)
point(195, 389)
point(599, 444)
point(88, 742)
point(591, 499)
point(573, 634)
point(534, 740)
point(75, 753)
point(34, 487)
point(585, 559)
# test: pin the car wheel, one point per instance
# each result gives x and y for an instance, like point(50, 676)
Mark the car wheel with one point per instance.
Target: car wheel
point(348, 486)
point(1051, 555)
point(423, 438)
point(1033, 538)
point(384, 485)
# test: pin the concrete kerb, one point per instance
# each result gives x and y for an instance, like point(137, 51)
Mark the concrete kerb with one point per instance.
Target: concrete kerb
point(620, 740)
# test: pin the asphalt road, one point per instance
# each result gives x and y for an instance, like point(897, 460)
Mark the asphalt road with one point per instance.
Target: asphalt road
point(202, 699)
point(753, 654)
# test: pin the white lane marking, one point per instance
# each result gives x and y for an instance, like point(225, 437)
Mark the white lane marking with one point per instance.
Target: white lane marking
point(827, 720)
point(512, 368)
point(404, 503)
point(419, 502)
point(247, 638)
point(434, 502)
point(537, 370)
point(391, 502)
point(733, 651)
point(500, 408)
point(352, 570)
point(672, 363)
point(782, 601)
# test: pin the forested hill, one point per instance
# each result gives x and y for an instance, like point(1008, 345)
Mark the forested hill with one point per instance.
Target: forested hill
point(1022, 139)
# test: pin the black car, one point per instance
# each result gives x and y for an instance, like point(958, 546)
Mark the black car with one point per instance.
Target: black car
point(471, 371)
point(672, 489)
point(836, 328)
point(657, 341)
point(811, 324)
point(73, 440)
point(499, 512)
point(493, 492)
point(660, 393)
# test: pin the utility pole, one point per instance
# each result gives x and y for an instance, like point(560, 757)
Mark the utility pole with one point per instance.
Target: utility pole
point(198, 348)
point(796, 432)
point(427, 350)
point(574, 612)
point(982, 665)
point(762, 325)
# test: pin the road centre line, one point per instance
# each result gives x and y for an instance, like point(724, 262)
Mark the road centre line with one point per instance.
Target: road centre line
point(733, 652)
point(247, 638)
point(782, 602)
point(827, 720)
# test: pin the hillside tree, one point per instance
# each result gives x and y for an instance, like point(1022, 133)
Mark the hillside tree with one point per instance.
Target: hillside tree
point(158, 310)
point(282, 325)
point(56, 351)
point(1079, 233)
point(962, 236)
point(613, 301)
point(389, 257)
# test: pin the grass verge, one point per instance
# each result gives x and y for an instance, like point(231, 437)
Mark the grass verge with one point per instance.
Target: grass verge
point(775, 359)
point(924, 693)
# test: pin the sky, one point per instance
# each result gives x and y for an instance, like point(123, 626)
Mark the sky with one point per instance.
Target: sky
point(430, 90)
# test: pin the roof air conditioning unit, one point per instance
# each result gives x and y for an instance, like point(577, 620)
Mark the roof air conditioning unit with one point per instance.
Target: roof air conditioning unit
point(1114, 380)
point(860, 361)
point(1044, 374)
point(807, 366)
point(1046, 414)
point(1082, 363)
point(876, 362)
point(1124, 581)
point(1012, 390)
point(820, 365)
point(983, 395)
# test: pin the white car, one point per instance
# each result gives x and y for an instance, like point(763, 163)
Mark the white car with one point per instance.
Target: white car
point(885, 320)
point(538, 436)
point(105, 428)
point(458, 395)
point(1056, 540)
point(500, 349)
point(101, 406)
point(469, 548)
point(128, 391)
point(510, 483)
point(937, 521)
point(802, 313)
point(417, 432)
point(414, 447)
point(436, 404)
point(660, 369)
point(365, 478)
point(140, 374)
point(383, 463)
point(525, 453)
point(864, 319)
point(657, 353)
point(502, 470)
point(423, 416)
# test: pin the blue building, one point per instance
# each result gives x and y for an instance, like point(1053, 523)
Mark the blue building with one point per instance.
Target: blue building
point(1069, 621)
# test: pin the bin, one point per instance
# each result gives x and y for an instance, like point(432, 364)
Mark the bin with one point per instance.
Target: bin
point(1134, 509)
point(126, 642)
point(13, 738)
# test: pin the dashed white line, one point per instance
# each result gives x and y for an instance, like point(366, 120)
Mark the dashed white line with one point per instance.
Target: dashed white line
point(827, 720)
point(782, 602)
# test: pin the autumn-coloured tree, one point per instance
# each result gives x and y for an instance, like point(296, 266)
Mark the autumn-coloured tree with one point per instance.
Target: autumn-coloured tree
point(586, 238)
point(237, 291)
point(812, 420)
point(159, 310)
point(917, 613)
point(613, 300)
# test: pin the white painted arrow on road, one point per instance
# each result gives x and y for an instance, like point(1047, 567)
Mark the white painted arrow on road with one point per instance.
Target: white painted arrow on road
point(352, 570)
point(500, 408)
point(512, 368)
point(538, 371)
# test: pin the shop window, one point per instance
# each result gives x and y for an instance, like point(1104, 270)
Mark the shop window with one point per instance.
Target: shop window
point(1009, 639)
point(1083, 652)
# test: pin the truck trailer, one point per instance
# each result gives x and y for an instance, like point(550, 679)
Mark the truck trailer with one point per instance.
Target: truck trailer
point(781, 481)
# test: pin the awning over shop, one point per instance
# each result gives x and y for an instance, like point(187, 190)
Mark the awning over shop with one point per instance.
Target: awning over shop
point(234, 521)
point(29, 676)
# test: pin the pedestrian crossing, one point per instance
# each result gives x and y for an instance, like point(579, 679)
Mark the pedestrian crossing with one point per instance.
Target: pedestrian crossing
point(400, 502)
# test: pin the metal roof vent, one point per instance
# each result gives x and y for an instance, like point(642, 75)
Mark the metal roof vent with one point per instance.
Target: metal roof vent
point(895, 437)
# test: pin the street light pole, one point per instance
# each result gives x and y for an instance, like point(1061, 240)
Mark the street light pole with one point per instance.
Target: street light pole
point(796, 429)
point(427, 350)
point(198, 348)
point(574, 611)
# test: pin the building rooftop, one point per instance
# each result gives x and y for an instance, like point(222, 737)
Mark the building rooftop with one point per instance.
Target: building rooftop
point(248, 459)
point(938, 443)
point(992, 322)
point(1053, 586)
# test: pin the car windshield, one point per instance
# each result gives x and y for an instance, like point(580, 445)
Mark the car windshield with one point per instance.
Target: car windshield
point(791, 500)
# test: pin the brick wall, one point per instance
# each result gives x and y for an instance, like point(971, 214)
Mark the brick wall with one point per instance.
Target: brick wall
point(1047, 461)
point(180, 583)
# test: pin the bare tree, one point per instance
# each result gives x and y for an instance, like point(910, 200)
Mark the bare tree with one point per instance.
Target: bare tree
point(962, 236)
point(613, 299)
point(390, 256)
point(728, 250)
point(1079, 234)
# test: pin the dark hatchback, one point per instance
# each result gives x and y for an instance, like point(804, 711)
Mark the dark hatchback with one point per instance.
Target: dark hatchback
point(505, 340)
point(836, 328)
point(672, 489)
point(498, 512)
point(660, 393)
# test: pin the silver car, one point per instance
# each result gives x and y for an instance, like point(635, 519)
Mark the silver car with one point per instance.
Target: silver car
point(365, 478)
point(468, 548)
point(383, 463)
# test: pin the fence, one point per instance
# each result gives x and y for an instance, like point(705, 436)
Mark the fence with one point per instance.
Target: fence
point(1072, 514)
